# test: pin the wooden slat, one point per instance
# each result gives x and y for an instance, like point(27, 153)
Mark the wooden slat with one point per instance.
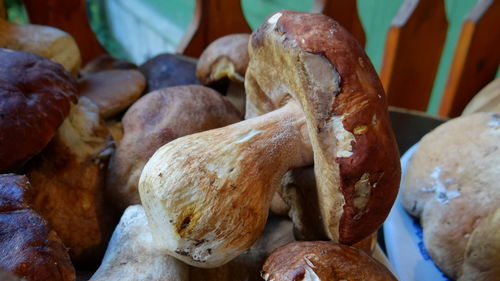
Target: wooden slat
point(3, 10)
point(346, 13)
point(212, 19)
point(476, 57)
point(70, 16)
point(412, 53)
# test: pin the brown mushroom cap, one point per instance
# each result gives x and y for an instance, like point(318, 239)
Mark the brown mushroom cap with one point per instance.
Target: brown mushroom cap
point(45, 41)
point(312, 59)
point(452, 185)
point(35, 97)
point(105, 62)
point(156, 119)
point(169, 70)
point(30, 248)
point(225, 57)
point(323, 261)
point(112, 90)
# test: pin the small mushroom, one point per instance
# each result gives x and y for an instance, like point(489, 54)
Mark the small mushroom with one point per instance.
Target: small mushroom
point(35, 96)
point(156, 119)
point(131, 254)
point(326, 261)
point(29, 247)
point(226, 59)
point(169, 70)
point(112, 90)
point(207, 195)
point(68, 183)
point(45, 41)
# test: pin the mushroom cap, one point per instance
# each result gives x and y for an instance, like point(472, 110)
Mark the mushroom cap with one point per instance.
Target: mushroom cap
point(45, 41)
point(312, 59)
point(452, 184)
point(225, 57)
point(320, 260)
point(35, 97)
point(30, 248)
point(105, 62)
point(112, 90)
point(169, 70)
point(156, 119)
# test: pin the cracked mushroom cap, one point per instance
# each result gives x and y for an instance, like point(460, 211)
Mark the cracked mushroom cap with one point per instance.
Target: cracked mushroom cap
point(30, 248)
point(225, 57)
point(156, 119)
point(312, 59)
point(35, 97)
point(325, 261)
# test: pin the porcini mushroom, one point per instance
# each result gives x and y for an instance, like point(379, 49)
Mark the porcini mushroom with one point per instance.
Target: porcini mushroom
point(45, 41)
point(225, 61)
point(168, 70)
point(156, 119)
point(325, 261)
point(207, 195)
point(131, 254)
point(29, 247)
point(35, 96)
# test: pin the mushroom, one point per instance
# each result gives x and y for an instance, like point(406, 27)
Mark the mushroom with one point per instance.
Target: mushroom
point(112, 90)
point(68, 183)
point(45, 41)
point(35, 96)
point(225, 61)
point(105, 62)
point(169, 70)
point(29, 247)
point(321, 260)
point(156, 119)
point(131, 254)
point(207, 195)
point(486, 100)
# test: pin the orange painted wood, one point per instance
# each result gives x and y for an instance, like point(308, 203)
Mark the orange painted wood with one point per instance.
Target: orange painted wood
point(476, 57)
point(70, 16)
point(412, 53)
point(212, 19)
point(346, 13)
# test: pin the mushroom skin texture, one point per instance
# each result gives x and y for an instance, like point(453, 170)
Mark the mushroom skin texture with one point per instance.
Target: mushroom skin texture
point(36, 95)
point(29, 247)
point(131, 254)
point(311, 58)
point(207, 195)
point(325, 261)
point(156, 119)
point(45, 41)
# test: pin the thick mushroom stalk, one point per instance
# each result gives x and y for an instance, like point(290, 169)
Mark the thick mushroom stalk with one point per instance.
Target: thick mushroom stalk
point(207, 195)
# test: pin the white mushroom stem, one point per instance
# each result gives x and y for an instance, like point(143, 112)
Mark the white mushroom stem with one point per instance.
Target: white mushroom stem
point(207, 195)
point(131, 254)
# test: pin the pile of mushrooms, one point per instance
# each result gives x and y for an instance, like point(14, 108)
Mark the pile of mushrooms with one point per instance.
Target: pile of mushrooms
point(195, 183)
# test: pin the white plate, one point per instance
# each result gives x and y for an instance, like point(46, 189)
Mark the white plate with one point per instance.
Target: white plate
point(404, 243)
